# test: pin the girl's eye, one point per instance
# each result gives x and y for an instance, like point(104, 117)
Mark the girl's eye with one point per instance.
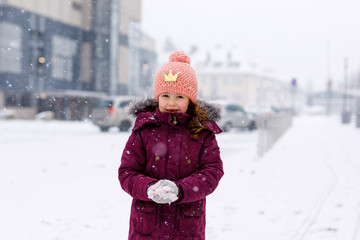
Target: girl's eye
point(180, 97)
point(165, 95)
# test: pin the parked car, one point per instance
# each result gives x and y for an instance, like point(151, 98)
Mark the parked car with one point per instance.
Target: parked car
point(261, 110)
point(111, 112)
point(234, 116)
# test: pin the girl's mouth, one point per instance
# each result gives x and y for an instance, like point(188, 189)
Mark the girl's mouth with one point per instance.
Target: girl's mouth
point(171, 111)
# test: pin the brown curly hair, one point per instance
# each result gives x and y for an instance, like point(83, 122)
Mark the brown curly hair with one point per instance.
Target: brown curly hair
point(198, 120)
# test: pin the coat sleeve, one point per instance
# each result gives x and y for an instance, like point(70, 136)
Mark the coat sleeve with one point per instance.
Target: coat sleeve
point(131, 171)
point(204, 181)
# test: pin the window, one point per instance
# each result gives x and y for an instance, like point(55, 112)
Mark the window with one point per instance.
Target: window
point(236, 81)
point(104, 104)
point(18, 99)
point(124, 104)
point(10, 47)
point(10, 100)
point(25, 100)
point(64, 50)
point(77, 6)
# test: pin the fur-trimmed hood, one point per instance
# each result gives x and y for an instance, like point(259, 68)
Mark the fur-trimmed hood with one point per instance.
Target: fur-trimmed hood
point(150, 104)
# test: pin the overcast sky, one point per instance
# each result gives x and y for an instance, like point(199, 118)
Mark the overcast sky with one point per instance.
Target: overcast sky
point(292, 38)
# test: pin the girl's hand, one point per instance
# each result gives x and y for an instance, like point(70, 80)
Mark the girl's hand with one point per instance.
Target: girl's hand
point(164, 191)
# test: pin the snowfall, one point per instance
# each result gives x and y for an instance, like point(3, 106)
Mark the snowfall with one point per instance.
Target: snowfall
point(58, 180)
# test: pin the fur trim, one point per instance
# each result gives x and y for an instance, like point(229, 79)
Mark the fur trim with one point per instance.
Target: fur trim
point(150, 104)
point(213, 111)
point(146, 105)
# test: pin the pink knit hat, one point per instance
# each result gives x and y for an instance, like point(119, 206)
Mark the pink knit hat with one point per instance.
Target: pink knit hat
point(177, 76)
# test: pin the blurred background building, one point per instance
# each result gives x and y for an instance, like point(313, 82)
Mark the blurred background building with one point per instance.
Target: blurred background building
point(63, 56)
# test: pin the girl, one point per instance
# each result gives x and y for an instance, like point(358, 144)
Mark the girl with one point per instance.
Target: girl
point(171, 161)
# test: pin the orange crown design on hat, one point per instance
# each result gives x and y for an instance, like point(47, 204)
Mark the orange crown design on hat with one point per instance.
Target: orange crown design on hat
point(184, 82)
point(170, 77)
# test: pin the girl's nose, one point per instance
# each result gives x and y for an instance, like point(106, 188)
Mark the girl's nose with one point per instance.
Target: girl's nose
point(172, 101)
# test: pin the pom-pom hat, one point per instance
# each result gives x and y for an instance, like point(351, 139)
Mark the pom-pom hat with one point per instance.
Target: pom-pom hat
point(176, 76)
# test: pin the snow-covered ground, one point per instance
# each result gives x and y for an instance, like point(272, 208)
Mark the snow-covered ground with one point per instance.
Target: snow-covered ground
point(58, 180)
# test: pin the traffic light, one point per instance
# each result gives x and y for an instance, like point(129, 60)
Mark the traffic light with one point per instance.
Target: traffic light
point(40, 56)
point(40, 63)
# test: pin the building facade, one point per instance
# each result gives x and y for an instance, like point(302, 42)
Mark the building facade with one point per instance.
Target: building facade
point(224, 75)
point(62, 56)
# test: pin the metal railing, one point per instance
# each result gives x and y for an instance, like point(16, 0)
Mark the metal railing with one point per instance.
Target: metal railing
point(270, 129)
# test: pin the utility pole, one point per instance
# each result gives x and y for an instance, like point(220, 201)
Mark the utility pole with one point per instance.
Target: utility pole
point(329, 83)
point(293, 95)
point(358, 101)
point(346, 114)
point(114, 40)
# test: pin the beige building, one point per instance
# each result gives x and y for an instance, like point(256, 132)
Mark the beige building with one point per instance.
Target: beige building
point(223, 75)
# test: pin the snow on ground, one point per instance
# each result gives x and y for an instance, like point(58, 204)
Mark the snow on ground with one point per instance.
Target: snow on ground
point(58, 180)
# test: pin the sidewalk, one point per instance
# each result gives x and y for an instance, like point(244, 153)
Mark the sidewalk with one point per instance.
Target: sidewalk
point(306, 187)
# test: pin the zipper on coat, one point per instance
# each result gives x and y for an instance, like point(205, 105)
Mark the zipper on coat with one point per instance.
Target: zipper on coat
point(174, 120)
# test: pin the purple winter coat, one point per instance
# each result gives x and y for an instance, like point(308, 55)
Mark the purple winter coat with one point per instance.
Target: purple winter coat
point(159, 149)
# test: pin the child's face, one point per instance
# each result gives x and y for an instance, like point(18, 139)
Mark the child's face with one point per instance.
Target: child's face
point(173, 103)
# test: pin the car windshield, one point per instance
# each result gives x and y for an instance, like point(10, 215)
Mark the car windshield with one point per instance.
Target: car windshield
point(105, 104)
point(124, 103)
point(234, 108)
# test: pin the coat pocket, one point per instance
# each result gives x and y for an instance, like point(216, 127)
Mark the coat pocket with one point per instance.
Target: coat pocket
point(191, 219)
point(145, 216)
